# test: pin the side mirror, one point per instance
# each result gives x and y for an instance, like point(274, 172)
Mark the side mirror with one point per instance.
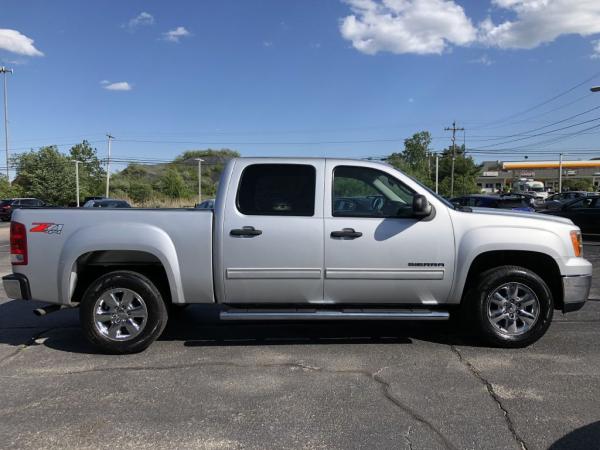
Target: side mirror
point(421, 207)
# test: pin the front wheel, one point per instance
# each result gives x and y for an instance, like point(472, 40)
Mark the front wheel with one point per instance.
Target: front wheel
point(122, 312)
point(512, 306)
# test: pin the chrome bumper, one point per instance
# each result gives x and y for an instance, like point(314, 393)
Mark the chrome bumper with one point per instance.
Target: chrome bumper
point(16, 286)
point(576, 290)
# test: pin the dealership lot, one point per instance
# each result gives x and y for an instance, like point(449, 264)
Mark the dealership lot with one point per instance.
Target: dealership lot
point(208, 384)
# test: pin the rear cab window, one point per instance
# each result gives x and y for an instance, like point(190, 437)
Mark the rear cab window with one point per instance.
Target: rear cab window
point(277, 190)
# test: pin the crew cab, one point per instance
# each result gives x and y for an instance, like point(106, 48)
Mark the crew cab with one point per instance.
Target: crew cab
point(302, 239)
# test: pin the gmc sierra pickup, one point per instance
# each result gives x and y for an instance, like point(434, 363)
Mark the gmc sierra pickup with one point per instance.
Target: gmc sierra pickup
point(302, 239)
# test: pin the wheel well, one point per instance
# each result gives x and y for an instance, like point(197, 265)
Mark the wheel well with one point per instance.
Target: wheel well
point(92, 265)
point(541, 264)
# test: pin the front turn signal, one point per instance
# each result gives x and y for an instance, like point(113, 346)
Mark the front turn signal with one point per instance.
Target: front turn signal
point(577, 242)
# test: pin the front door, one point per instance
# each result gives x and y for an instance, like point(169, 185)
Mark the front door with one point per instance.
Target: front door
point(375, 250)
point(273, 234)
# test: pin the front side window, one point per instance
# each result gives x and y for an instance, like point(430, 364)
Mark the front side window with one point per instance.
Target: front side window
point(365, 192)
point(277, 190)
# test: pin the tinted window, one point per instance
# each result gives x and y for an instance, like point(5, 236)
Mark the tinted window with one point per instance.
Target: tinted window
point(365, 192)
point(277, 190)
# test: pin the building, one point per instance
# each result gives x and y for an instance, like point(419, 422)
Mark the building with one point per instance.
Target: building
point(496, 175)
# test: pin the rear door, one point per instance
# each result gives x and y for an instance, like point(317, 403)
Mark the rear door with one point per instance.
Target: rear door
point(272, 236)
point(375, 250)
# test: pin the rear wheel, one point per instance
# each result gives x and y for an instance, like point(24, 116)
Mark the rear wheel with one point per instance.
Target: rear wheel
point(122, 312)
point(512, 306)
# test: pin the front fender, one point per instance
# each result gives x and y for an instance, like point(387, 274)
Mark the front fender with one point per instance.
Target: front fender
point(119, 236)
point(502, 238)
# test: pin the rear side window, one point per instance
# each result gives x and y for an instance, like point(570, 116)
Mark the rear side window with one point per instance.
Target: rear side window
point(277, 190)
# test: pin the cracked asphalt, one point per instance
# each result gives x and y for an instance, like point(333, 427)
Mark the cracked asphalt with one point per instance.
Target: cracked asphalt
point(207, 384)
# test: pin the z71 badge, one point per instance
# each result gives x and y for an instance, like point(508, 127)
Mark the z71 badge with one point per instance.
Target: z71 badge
point(45, 227)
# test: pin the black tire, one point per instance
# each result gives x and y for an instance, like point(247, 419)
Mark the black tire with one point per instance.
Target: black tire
point(479, 298)
point(155, 319)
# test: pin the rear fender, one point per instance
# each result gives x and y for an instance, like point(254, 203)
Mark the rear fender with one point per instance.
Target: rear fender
point(120, 236)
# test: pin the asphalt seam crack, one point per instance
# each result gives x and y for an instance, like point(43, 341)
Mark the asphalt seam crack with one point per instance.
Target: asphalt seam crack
point(21, 347)
point(385, 387)
point(490, 389)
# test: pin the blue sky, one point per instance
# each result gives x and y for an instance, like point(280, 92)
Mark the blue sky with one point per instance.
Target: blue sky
point(312, 77)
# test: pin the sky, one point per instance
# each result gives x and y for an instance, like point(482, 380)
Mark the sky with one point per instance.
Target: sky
point(329, 78)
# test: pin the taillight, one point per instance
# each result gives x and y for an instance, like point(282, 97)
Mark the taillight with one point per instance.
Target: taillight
point(6, 207)
point(18, 244)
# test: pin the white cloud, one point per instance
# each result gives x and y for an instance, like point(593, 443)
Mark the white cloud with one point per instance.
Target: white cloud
point(406, 26)
point(483, 59)
point(118, 86)
point(267, 44)
point(539, 21)
point(434, 26)
point(15, 42)
point(176, 34)
point(142, 19)
point(595, 49)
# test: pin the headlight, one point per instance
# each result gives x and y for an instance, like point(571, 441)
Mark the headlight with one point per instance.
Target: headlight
point(577, 242)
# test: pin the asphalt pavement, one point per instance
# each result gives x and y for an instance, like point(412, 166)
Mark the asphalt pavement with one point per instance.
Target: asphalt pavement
point(207, 384)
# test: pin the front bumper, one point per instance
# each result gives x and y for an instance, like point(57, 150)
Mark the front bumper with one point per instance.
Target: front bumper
point(576, 290)
point(16, 286)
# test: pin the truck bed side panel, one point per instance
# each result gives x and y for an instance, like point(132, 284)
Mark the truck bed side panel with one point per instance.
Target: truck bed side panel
point(180, 239)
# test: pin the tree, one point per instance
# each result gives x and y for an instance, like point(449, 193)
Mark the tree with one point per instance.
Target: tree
point(465, 173)
point(46, 174)
point(577, 184)
point(415, 159)
point(92, 177)
point(172, 185)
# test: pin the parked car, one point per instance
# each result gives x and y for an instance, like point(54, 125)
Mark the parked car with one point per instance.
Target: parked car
point(93, 197)
point(206, 204)
point(515, 202)
point(106, 203)
point(583, 211)
point(555, 201)
point(9, 205)
point(302, 239)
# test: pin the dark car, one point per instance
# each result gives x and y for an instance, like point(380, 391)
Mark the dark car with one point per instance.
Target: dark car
point(584, 212)
point(557, 200)
point(206, 204)
point(9, 205)
point(516, 202)
point(107, 203)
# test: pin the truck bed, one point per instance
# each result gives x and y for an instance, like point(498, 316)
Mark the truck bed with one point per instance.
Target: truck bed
point(60, 238)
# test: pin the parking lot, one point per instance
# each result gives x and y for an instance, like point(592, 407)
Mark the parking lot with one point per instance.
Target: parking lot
point(207, 384)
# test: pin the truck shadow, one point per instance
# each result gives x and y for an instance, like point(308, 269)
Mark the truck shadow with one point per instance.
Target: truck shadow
point(586, 437)
point(199, 326)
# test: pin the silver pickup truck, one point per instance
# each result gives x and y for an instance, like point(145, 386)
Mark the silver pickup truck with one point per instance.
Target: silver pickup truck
point(302, 239)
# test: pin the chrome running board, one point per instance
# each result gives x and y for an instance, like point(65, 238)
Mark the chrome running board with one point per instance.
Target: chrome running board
point(332, 314)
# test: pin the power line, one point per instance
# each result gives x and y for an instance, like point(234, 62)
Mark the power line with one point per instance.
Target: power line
point(545, 102)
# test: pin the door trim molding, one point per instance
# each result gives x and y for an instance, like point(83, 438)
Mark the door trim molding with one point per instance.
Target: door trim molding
point(272, 273)
point(383, 274)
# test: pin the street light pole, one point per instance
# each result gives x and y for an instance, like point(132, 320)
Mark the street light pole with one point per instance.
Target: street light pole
point(560, 171)
point(437, 172)
point(199, 179)
point(4, 71)
point(110, 138)
point(77, 180)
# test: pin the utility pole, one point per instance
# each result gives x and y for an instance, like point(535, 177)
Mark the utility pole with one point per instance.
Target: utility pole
point(560, 157)
point(454, 129)
point(110, 138)
point(4, 71)
point(200, 161)
point(77, 179)
point(437, 172)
